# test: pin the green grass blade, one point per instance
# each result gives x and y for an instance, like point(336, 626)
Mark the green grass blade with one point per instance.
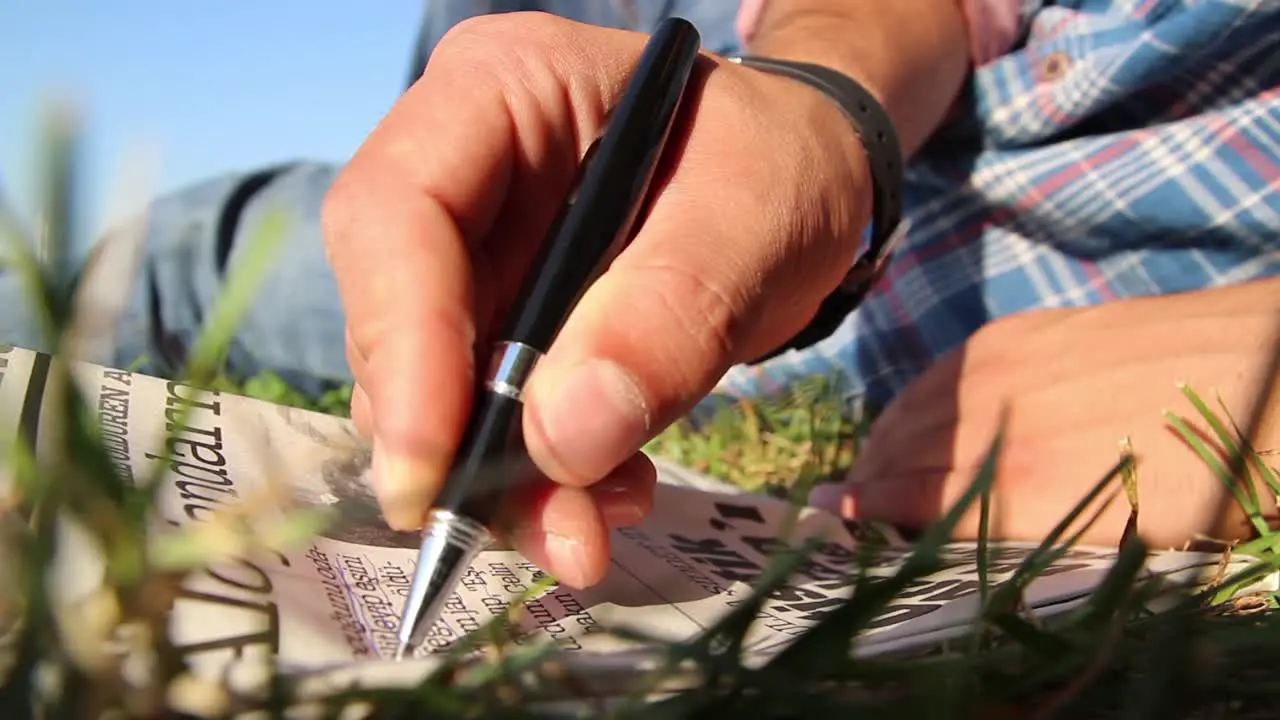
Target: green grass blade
point(717, 650)
point(984, 559)
point(1224, 589)
point(20, 258)
point(1225, 437)
point(207, 354)
point(1119, 583)
point(205, 360)
point(1044, 554)
point(1039, 642)
point(1219, 429)
point(1268, 474)
point(1129, 479)
point(57, 225)
point(826, 646)
point(1248, 504)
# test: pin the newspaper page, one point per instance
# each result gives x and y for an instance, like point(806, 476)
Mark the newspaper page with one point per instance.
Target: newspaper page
point(336, 602)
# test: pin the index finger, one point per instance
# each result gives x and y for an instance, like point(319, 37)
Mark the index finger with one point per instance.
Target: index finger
point(396, 224)
point(463, 147)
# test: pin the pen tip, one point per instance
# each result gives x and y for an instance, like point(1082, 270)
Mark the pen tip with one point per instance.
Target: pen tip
point(401, 649)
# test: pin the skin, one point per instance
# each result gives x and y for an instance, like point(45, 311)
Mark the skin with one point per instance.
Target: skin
point(433, 221)
point(1074, 383)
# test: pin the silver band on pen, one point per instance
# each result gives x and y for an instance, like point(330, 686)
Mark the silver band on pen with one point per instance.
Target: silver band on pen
point(510, 368)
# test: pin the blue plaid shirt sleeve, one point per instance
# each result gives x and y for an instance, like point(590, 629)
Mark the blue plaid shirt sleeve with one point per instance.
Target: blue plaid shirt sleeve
point(1121, 149)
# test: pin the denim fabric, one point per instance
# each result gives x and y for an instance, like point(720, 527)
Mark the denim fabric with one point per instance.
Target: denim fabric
point(713, 18)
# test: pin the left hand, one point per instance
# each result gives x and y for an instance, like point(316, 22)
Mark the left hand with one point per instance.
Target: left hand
point(1076, 383)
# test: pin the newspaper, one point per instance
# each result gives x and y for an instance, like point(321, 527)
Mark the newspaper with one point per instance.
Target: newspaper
point(333, 605)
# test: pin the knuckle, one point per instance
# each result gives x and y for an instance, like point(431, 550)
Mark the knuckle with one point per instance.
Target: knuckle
point(533, 53)
point(475, 32)
point(495, 27)
point(501, 39)
point(482, 29)
point(706, 315)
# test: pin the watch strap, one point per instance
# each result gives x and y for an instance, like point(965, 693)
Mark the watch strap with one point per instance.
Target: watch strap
point(884, 156)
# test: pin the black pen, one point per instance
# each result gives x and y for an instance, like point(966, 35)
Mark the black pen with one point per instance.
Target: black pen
point(594, 224)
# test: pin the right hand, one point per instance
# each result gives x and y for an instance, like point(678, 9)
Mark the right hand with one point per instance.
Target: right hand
point(434, 220)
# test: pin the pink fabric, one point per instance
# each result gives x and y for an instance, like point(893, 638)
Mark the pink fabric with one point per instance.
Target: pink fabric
point(749, 18)
point(993, 25)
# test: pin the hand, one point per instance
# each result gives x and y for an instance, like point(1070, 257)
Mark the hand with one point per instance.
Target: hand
point(1076, 383)
point(432, 223)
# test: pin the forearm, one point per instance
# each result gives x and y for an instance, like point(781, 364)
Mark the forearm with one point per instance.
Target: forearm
point(912, 55)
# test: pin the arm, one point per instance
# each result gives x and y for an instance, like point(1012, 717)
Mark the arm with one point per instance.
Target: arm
point(912, 55)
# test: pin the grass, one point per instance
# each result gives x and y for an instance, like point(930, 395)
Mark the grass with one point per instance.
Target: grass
point(1204, 655)
point(778, 445)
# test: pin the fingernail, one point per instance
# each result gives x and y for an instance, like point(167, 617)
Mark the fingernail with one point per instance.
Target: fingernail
point(618, 507)
point(595, 419)
point(837, 498)
point(559, 555)
point(402, 485)
point(828, 496)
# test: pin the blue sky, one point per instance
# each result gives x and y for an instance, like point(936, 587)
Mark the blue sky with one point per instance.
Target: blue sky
point(207, 87)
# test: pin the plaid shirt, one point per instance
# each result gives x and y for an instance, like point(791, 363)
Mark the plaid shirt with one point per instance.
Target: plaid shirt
point(1105, 149)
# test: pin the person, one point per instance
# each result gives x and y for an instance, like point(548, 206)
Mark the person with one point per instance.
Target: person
point(1093, 207)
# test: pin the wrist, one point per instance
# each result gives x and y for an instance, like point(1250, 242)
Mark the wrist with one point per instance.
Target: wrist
point(878, 140)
